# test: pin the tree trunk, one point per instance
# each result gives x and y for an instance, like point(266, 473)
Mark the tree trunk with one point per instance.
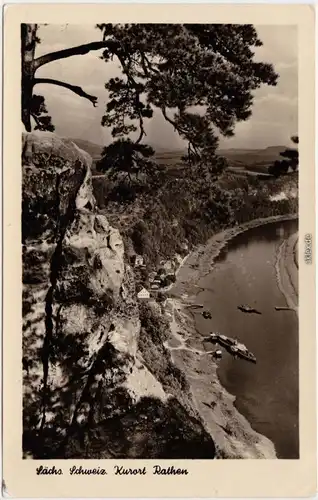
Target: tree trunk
point(28, 43)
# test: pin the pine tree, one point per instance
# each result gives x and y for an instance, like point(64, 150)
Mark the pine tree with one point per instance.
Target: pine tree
point(201, 77)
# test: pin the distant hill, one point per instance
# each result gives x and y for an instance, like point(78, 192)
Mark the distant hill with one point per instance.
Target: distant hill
point(268, 150)
point(257, 160)
point(252, 159)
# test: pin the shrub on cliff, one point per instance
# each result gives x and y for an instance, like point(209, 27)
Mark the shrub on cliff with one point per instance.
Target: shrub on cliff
point(154, 332)
point(156, 325)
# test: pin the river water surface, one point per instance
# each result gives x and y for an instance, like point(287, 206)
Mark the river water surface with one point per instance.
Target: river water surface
point(266, 392)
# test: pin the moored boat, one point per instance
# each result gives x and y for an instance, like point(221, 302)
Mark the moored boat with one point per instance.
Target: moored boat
point(226, 341)
point(212, 337)
point(207, 315)
point(233, 346)
point(248, 309)
point(241, 351)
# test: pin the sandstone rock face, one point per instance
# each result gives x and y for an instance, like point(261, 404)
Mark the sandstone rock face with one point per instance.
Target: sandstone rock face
point(86, 390)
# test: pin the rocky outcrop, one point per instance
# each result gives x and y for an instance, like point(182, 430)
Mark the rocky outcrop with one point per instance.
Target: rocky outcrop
point(87, 391)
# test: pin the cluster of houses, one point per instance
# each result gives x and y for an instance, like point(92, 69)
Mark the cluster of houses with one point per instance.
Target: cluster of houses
point(156, 279)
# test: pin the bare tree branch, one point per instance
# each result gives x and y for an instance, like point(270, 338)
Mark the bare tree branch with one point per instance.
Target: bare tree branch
point(73, 51)
point(77, 90)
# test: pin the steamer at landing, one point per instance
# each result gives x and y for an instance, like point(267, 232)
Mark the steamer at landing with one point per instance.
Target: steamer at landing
point(233, 346)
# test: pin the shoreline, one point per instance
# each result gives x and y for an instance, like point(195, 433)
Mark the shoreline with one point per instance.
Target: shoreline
point(197, 263)
point(233, 433)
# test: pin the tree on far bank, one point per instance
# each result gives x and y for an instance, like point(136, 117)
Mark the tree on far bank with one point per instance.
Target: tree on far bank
point(290, 160)
point(200, 77)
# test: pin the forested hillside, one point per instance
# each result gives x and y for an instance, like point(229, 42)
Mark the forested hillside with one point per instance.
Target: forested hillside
point(176, 210)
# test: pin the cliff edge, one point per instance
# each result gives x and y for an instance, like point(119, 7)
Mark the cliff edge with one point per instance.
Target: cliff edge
point(88, 391)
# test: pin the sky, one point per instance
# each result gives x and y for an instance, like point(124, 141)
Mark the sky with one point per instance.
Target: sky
point(274, 114)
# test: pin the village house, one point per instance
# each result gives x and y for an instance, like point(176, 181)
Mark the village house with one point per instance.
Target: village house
point(143, 294)
point(152, 276)
point(139, 261)
point(154, 286)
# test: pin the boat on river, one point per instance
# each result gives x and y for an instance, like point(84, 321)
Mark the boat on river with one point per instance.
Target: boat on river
point(239, 350)
point(213, 337)
point(248, 309)
point(207, 315)
point(226, 341)
point(233, 346)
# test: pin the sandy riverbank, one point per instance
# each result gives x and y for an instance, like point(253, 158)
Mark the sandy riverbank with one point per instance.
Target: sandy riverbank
point(233, 435)
point(287, 271)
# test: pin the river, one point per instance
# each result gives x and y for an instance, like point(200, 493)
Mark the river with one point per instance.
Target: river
point(267, 392)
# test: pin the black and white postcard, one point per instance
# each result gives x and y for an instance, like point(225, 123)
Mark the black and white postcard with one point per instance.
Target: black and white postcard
point(159, 273)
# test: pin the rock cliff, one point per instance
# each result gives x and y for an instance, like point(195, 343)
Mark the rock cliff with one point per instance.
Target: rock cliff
point(88, 392)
